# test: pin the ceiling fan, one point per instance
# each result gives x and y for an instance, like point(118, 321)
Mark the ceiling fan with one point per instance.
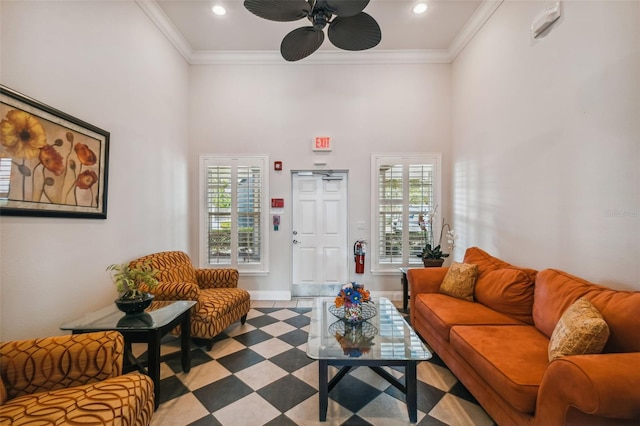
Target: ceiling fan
point(349, 27)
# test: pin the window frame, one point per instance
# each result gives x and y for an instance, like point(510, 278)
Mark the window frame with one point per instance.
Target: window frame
point(234, 161)
point(406, 159)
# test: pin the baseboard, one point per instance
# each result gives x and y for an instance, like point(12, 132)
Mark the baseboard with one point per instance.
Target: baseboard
point(391, 295)
point(286, 295)
point(270, 295)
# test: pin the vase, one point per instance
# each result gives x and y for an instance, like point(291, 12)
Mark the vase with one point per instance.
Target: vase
point(134, 306)
point(432, 263)
point(353, 313)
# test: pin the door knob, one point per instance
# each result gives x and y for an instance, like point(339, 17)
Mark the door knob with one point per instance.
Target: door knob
point(295, 242)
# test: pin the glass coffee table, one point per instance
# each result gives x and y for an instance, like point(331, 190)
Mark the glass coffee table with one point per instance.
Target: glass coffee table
point(148, 327)
point(384, 340)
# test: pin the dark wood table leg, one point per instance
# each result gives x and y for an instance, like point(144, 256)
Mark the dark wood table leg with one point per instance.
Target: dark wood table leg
point(405, 291)
point(185, 344)
point(412, 391)
point(323, 391)
point(153, 364)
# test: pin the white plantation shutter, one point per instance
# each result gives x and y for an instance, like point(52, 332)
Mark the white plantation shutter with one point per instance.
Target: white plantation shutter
point(390, 208)
point(219, 192)
point(406, 191)
point(5, 177)
point(420, 204)
point(249, 213)
point(234, 212)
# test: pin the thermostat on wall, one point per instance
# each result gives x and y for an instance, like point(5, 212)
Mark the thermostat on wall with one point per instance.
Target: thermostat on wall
point(549, 15)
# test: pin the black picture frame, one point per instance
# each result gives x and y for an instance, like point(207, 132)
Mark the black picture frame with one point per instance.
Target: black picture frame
point(51, 164)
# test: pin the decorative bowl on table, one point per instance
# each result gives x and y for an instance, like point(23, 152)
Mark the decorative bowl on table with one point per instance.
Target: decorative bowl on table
point(353, 304)
point(134, 306)
point(368, 311)
point(354, 339)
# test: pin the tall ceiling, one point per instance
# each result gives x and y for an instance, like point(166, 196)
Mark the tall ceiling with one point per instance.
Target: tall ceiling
point(203, 36)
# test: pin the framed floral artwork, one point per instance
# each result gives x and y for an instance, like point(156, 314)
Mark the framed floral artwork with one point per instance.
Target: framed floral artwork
point(51, 164)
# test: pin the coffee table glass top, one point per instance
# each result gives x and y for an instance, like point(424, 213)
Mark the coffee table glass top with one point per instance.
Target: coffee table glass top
point(386, 336)
point(111, 318)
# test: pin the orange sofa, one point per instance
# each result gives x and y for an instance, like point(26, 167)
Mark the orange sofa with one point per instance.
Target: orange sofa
point(497, 345)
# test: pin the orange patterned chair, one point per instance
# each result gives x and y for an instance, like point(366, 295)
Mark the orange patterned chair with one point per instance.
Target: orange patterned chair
point(71, 379)
point(220, 302)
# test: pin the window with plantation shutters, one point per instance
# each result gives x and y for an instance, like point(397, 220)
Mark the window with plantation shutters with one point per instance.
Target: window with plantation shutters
point(406, 191)
point(234, 212)
point(5, 177)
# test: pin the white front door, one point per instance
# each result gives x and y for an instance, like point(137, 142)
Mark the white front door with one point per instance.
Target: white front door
point(319, 233)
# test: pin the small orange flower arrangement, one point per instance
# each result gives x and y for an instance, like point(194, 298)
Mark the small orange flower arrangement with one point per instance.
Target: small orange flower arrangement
point(352, 294)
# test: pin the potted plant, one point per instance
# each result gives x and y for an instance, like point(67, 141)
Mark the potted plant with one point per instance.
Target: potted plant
point(432, 254)
point(128, 280)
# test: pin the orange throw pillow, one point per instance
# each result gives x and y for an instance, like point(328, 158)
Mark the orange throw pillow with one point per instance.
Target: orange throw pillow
point(460, 281)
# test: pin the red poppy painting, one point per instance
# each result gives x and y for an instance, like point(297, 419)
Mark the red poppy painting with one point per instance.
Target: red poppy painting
point(51, 164)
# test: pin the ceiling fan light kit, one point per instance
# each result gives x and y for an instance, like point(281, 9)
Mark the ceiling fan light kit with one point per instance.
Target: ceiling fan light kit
point(349, 27)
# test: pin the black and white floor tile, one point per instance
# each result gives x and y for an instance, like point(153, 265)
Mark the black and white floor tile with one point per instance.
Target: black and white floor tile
point(259, 374)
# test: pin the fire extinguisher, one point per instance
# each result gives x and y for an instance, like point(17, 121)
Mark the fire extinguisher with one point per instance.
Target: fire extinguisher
point(358, 255)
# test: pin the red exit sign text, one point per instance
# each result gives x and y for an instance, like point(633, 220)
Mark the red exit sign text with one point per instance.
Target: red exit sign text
point(322, 143)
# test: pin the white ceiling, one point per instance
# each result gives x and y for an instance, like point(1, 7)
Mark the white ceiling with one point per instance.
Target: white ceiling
point(203, 37)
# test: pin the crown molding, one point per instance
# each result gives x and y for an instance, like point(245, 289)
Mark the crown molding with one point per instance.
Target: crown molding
point(329, 57)
point(471, 28)
point(337, 57)
point(164, 24)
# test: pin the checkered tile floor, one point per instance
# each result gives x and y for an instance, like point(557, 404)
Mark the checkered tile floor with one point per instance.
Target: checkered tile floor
point(259, 374)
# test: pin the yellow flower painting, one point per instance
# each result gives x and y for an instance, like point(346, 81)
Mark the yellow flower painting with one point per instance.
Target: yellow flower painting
point(56, 164)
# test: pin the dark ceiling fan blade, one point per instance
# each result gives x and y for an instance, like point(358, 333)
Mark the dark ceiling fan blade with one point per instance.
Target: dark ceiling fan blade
point(278, 10)
point(346, 7)
point(359, 32)
point(300, 43)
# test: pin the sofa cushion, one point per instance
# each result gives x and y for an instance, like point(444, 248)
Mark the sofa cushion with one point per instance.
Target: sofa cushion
point(507, 290)
point(484, 260)
point(487, 262)
point(122, 400)
point(556, 290)
point(460, 280)
point(581, 330)
point(173, 266)
point(502, 286)
point(616, 308)
point(442, 312)
point(217, 308)
point(511, 359)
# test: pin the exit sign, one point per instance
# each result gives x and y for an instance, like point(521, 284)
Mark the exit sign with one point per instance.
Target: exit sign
point(322, 143)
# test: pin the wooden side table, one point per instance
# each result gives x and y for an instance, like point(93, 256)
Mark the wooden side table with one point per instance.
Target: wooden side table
point(405, 288)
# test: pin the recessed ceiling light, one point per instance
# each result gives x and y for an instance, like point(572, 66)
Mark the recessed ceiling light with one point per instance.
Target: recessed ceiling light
point(218, 10)
point(420, 8)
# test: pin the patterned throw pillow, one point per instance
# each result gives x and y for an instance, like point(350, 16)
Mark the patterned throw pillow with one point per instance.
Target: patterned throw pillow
point(581, 330)
point(460, 281)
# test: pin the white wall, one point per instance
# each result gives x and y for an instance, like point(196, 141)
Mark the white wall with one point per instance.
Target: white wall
point(546, 140)
point(279, 109)
point(107, 64)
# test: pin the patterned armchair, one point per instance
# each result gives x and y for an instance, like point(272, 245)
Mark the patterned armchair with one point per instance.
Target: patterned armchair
point(220, 302)
point(71, 379)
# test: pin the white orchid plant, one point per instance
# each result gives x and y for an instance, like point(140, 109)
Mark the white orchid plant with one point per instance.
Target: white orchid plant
point(431, 250)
